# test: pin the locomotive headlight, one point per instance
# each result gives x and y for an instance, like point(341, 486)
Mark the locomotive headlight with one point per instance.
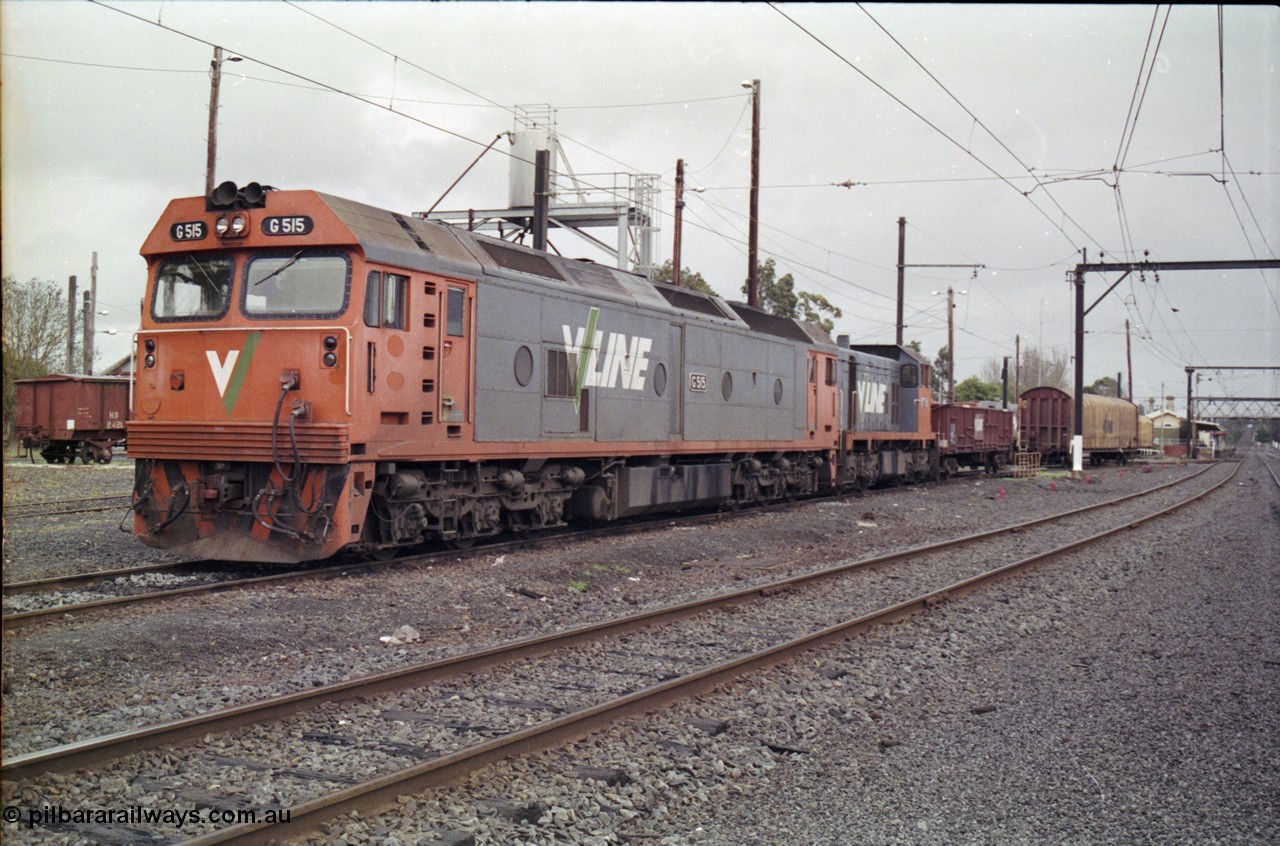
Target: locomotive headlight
point(150, 344)
point(330, 343)
point(150, 360)
point(234, 226)
point(330, 360)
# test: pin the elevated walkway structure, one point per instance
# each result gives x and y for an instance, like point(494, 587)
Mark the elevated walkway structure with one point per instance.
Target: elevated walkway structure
point(625, 202)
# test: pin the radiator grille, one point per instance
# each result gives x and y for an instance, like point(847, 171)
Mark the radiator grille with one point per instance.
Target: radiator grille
point(324, 444)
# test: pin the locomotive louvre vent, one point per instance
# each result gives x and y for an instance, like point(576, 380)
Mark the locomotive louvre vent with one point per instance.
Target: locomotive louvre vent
point(525, 262)
point(689, 300)
point(769, 324)
point(410, 231)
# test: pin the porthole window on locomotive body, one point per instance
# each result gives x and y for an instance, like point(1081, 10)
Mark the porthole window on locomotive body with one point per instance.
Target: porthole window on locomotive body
point(777, 392)
point(524, 366)
point(726, 386)
point(660, 379)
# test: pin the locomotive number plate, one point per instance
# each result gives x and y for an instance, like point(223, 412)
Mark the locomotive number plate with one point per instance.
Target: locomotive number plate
point(698, 382)
point(297, 224)
point(193, 230)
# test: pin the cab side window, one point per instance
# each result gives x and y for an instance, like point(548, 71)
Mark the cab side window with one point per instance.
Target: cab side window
point(456, 313)
point(385, 298)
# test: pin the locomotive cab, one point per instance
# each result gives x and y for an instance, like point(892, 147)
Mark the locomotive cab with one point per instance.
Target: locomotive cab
point(245, 392)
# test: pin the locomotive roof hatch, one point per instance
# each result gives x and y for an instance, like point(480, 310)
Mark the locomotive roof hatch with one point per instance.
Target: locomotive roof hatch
point(891, 351)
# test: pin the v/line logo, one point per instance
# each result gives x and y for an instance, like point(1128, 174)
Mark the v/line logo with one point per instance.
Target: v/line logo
point(873, 397)
point(229, 373)
point(618, 362)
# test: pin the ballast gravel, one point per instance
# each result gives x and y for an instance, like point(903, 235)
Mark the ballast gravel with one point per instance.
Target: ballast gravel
point(1127, 695)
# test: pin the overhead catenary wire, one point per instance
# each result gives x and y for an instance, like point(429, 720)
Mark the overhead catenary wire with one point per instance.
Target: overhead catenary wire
point(1139, 91)
point(1243, 210)
point(976, 119)
point(935, 128)
point(792, 260)
point(328, 87)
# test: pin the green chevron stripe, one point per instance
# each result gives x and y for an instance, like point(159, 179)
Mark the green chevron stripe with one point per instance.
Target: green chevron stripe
point(242, 370)
point(584, 355)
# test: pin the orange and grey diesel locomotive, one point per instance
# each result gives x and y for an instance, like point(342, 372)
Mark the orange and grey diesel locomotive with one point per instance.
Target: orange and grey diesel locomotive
point(315, 375)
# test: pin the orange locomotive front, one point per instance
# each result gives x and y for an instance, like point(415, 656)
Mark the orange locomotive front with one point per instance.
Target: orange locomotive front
point(261, 313)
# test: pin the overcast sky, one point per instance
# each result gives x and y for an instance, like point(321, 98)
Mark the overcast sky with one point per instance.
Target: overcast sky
point(1008, 136)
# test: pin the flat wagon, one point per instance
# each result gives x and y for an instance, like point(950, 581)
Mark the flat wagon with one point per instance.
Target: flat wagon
point(68, 417)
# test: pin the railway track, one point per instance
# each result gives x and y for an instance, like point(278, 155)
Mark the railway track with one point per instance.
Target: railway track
point(73, 594)
point(60, 507)
point(67, 596)
point(1271, 464)
point(569, 684)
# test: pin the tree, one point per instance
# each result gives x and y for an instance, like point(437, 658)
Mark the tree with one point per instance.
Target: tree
point(688, 278)
point(1106, 387)
point(780, 297)
point(35, 333)
point(974, 389)
point(941, 370)
point(1038, 369)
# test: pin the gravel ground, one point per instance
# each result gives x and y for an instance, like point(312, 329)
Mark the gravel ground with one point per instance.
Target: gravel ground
point(65, 682)
point(1123, 697)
